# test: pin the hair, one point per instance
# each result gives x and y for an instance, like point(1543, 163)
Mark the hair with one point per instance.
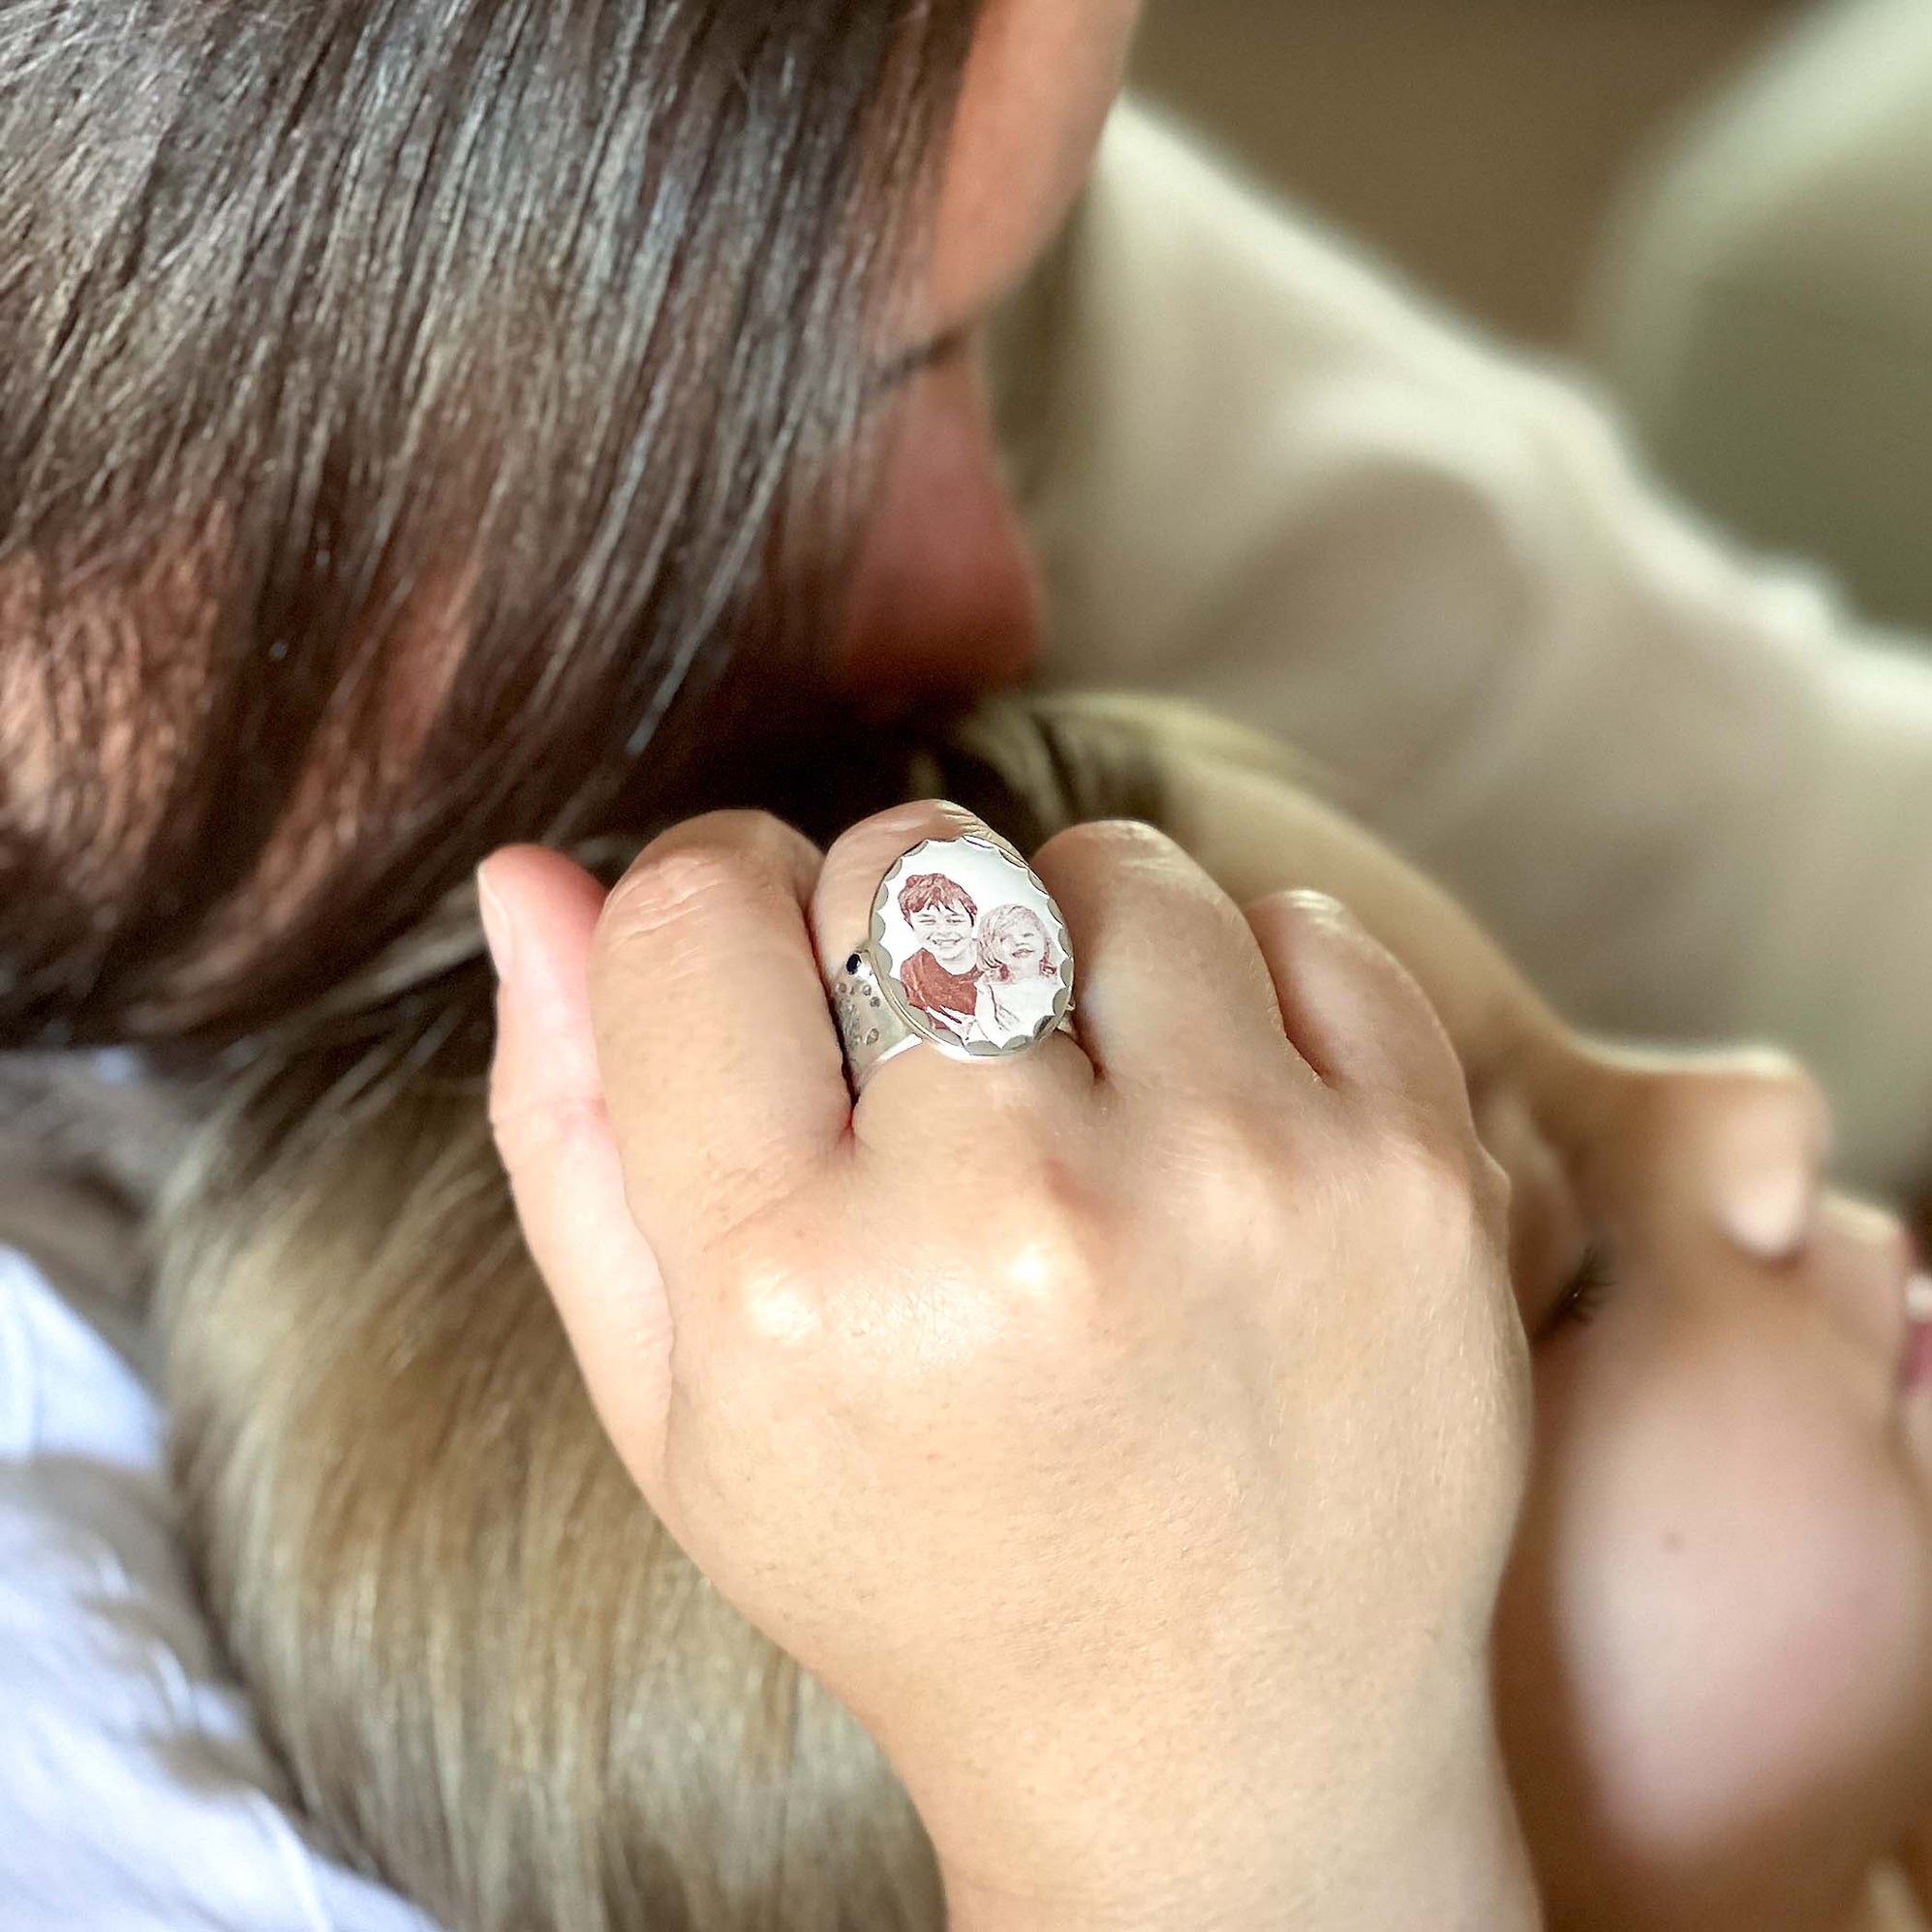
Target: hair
point(926, 890)
point(1005, 919)
point(420, 428)
point(492, 1674)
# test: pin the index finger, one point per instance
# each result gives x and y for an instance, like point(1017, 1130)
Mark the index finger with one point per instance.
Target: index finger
point(720, 1066)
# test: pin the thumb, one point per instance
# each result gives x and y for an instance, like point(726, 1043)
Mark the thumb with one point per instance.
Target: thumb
point(554, 1136)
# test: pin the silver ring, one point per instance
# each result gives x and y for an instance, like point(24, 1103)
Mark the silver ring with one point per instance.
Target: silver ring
point(966, 951)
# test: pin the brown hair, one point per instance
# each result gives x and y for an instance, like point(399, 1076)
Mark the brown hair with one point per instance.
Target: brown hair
point(401, 409)
point(926, 890)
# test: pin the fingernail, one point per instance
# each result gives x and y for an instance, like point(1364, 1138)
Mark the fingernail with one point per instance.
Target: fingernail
point(499, 929)
point(1319, 906)
point(967, 822)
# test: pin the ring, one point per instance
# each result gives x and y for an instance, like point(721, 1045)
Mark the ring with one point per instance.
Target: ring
point(966, 951)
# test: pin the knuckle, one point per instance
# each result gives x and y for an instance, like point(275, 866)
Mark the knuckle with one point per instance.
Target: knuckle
point(1432, 1186)
point(857, 857)
point(1019, 1279)
point(1115, 842)
point(665, 888)
point(535, 1133)
point(1232, 1161)
point(1320, 924)
point(1028, 1274)
point(773, 1307)
point(765, 1283)
point(1303, 903)
point(914, 819)
point(1046, 1246)
point(712, 859)
point(766, 1279)
point(1790, 1086)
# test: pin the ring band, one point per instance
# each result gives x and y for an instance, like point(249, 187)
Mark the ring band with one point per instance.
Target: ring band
point(871, 1031)
point(966, 951)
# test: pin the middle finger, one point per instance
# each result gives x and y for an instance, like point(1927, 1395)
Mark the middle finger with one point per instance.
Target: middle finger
point(934, 954)
point(1175, 993)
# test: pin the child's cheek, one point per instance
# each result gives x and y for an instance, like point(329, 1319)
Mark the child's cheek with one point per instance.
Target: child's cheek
point(1741, 1603)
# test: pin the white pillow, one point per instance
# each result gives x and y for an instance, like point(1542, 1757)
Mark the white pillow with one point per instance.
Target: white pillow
point(136, 1791)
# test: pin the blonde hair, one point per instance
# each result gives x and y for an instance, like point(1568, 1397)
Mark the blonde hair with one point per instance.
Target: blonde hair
point(493, 1677)
point(1005, 919)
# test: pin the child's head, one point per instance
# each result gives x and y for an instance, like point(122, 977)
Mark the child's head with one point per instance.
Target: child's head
point(940, 913)
point(1715, 1644)
point(1014, 944)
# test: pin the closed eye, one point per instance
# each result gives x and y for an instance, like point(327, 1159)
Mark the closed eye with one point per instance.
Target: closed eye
point(1583, 1294)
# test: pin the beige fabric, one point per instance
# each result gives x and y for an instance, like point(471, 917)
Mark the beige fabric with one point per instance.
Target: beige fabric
point(1691, 796)
point(1765, 307)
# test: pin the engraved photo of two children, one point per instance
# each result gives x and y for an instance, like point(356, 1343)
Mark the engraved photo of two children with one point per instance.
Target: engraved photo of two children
point(992, 978)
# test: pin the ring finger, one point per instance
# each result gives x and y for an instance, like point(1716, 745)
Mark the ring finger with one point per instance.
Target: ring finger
point(948, 962)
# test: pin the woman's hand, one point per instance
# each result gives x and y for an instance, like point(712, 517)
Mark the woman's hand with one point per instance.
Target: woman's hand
point(1130, 1433)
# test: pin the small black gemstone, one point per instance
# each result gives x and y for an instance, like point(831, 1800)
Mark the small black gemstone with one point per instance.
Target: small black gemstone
point(853, 963)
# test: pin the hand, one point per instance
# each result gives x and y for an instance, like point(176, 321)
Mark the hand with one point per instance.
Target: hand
point(1130, 1433)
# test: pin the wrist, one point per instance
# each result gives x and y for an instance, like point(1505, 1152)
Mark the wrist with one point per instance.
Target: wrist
point(1327, 1844)
point(1455, 1859)
point(1451, 1856)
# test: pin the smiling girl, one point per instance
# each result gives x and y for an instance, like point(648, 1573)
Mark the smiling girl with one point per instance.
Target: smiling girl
point(1021, 976)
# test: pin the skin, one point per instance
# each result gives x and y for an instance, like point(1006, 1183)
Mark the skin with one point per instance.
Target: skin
point(1711, 1663)
point(945, 595)
point(1709, 1656)
point(1711, 1648)
point(1714, 1648)
point(1715, 1642)
point(1712, 1642)
point(1165, 1560)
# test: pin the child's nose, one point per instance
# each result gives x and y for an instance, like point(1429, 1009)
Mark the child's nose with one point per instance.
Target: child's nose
point(1768, 1133)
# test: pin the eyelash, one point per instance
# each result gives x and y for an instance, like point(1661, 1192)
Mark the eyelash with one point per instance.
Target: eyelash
point(1582, 1295)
